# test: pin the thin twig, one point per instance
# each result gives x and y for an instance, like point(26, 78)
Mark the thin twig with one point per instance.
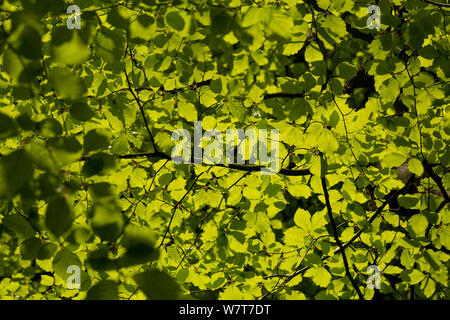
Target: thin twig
point(336, 238)
point(445, 5)
point(141, 108)
point(177, 206)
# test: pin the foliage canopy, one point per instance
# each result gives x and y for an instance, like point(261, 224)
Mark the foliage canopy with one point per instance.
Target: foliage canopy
point(86, 179)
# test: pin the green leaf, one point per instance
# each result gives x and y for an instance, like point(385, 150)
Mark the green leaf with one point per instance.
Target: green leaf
point(143, 27)
point(47, 280)
point(416, 35)
point(412, 277)
point(99, 164)
point(158, 285)
point(444, 235)
point(140, 246)
point(99, 259)
point(107, 220)
point(299, 190)
point(221, 21)
point(68, 46)
point(103, 290)
point(295, 236)
point(29, 248)
point(47, 251)
point(324, 4)
point(7, 127)
point(62, 260)
point(110, 45)
point(234, 196)
point(66, 84)
point(15, 170)
point(50, 128)
point(81, 111)
point(416, 167)
point(164, 141)
point(119, 17)
point(19, 225)
point(21, 70)
point(278, 23)
point(313, 53)
point(392, 270)
point(187, 110)
point(429, 287)
point(335, 25)
point(96, 139)
point(408, 201)
point(346, 70)
point(25, 37)
point(392, 158)
point(322, 138)
point(232, 292)
point(65, 150)
point(320, 276)
point(251, 17)
point(302, 218)
point(236, 109)
point(121, 145)
point(175, 20)
point(417, 225)
point(58, 217)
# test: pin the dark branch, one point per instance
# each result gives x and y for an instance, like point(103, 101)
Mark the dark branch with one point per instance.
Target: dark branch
point(176, 207)
point(436, 179)
point(445, 5)
point(428, 168)
point(388, 197)
point(28, 220)
point(283, 95)
point(193, 86)
point(141, 108)
point(241, 167)
point(336, 238)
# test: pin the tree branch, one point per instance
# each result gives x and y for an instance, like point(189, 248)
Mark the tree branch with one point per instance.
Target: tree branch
point(140, 108)
point(336, 238)
point(377, 213)
point(445, 5)
point(388, 197)
point(283, 95)
point(28, 220)
point(199, 226)
point(241, 167)
point(176, 207)
point(436, 179)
